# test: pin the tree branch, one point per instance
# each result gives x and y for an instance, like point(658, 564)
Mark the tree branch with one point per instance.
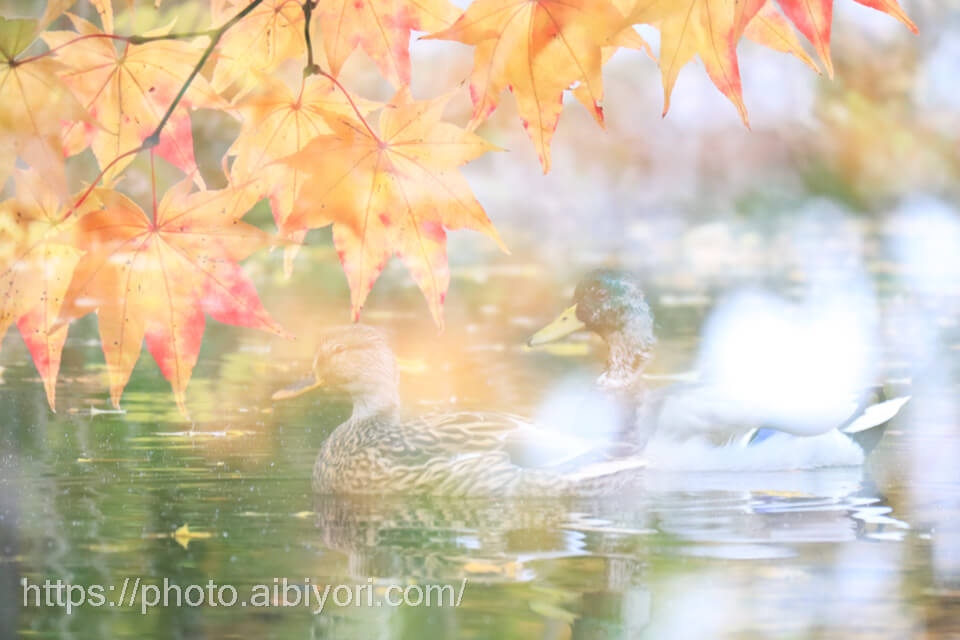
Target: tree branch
point(312, 67)
point(184, 35)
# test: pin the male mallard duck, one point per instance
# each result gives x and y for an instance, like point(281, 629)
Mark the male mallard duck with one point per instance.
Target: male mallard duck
point(693, 426)
point(377, 451)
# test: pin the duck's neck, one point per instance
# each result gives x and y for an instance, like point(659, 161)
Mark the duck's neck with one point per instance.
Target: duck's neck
point(630, 349)
point(385, 402)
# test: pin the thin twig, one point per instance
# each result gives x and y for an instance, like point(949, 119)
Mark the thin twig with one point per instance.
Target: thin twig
point(154, 138)
point(184, 35)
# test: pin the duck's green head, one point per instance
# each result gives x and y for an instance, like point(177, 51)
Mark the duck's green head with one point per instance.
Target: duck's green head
point(606, 302)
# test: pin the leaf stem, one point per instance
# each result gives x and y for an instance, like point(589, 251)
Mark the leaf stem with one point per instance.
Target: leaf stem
point(49, 52)
point(153, 186)
point(96, 181)
point(353, 104)
point(312, 68)
point(112, 36)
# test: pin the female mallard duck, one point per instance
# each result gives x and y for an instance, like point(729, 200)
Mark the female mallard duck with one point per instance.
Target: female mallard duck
point(377, 451)
point(693, 426)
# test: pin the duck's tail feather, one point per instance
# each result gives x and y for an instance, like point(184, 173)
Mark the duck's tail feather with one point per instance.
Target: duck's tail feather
point(868, 424)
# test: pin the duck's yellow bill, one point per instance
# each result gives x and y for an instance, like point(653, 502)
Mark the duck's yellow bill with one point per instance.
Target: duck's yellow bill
point(562, 326)
point(298, 388)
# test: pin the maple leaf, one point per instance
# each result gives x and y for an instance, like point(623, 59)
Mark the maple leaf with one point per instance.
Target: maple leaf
point(266, 37)
point(127, 92)
point(105, 11)
point(538, 50)
point(381, 28)
point(35, 270)
point(392, 193)
point(276, 124)
point(33, 103)
point(712, 28)
point(814, 19)
point(627, 39)
point(708, 28)
point(154, 278)
point(53, 10)
point(760, 21)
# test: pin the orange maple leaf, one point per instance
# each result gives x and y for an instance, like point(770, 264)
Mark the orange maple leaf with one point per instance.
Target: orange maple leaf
point(258, 44)
point(760, 21)
point(708, 28)
point(538, 50)
point(128, 92)
point(381, 28)
point(712, 29)
point(276, 124)
point(154, 278)
point(814, 19)
point(33, 104)
point(392, 193)
point(35, 270)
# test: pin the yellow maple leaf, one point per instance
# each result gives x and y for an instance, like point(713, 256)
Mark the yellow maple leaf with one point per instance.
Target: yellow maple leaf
point(277, 123)
point(36, 265)
point(33, 103)
point(270, 34)
point(128, 92)
point(381, 28)
point(392, 192)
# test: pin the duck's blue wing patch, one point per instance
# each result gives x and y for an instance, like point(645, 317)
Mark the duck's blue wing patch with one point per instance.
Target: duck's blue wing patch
point(760, 435)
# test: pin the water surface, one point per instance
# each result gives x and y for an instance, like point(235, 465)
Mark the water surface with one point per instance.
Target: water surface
point(92, 497)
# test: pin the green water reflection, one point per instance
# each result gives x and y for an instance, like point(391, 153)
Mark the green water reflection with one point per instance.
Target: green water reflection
point(91, 497)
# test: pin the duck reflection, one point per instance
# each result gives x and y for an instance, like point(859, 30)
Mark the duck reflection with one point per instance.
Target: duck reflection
point(588, 568)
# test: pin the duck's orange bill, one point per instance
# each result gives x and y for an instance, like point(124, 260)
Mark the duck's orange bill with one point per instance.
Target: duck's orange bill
point(298, 388)
point(562, 326)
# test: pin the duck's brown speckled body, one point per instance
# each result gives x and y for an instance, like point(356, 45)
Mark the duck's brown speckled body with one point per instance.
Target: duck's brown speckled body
point(377, 451)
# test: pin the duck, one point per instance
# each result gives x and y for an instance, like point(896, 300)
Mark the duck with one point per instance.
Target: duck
point(378, 450)
point(691, 425)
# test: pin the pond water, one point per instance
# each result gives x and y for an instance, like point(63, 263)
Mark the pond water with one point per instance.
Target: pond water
point(91, 497)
